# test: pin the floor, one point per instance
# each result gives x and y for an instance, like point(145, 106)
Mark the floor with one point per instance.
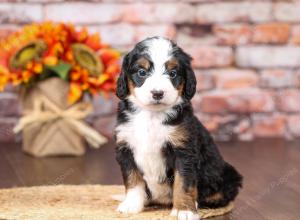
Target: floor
point(271, 170)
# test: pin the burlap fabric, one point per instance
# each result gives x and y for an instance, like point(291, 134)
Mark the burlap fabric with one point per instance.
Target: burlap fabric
point(50, 125)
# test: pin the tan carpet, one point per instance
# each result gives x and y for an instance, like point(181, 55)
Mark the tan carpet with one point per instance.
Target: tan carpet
point(64, 202)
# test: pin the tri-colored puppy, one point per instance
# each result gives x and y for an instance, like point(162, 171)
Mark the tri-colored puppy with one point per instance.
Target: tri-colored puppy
point(166, 155)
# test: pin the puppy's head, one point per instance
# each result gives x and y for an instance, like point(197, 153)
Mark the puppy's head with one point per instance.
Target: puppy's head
point(156, 75)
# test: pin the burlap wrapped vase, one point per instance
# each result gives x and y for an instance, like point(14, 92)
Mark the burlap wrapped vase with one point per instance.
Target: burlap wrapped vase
point(50, 125)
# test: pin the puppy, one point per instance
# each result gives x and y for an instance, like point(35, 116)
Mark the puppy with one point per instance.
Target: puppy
point(166, 155)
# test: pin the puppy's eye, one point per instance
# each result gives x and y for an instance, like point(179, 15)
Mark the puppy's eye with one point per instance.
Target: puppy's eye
point(173, 74)
point(142, 73)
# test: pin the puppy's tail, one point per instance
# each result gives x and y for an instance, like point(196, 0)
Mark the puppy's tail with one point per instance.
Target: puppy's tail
point(208, 213)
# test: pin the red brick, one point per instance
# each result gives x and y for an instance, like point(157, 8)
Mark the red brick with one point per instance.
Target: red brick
point(6, 129)
point(117, 34)
point(192, 34)
point(41, 1)
point(277, 78)
point(294, 125)
point(288, 100)
point(287, 11)
point(144, 31)
point(158, 13)
point(243, 130)
point(298, 78)
point(211, 123)
point(271, 33)
point(83, 12)
point(227, 127)
point(9, 105)
point(269, 125)
point(210, 56)
point(235, 101)
point(204, 80)
point(20, 13)
point(212, 102)
point(234, 78)
point(250, 100)
point(221, 12)
point(268, 56)
point(105, 125)
point(232, 34)
point(137, 13)
point(295, 35)
point(242, 126)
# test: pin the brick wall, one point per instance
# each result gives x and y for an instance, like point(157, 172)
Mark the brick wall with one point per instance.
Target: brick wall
point(246, 56)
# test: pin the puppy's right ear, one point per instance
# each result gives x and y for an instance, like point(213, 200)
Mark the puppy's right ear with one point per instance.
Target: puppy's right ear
point(122, 87)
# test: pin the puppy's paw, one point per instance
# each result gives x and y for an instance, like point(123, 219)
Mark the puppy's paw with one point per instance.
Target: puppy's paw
point(134, 201)
point(128, 206)
point(187, 215)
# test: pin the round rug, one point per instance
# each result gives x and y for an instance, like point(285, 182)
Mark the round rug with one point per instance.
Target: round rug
point(80, 202)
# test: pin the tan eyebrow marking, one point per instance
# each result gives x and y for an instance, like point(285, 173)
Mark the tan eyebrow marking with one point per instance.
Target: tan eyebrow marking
point(143, 62)
point(171, 64)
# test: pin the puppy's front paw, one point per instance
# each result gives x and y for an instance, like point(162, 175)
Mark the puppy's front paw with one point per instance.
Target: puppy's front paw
point(185, 214)
point(130, 207)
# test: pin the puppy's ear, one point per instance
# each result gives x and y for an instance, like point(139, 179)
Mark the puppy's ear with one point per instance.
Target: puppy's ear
point(122, 83)
point(122, 88)
point(190, 81)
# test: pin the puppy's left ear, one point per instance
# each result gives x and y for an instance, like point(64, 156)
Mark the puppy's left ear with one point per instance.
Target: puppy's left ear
point(190, 82)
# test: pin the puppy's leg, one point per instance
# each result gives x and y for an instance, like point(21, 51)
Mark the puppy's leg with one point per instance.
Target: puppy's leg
point(134, 184)
point(134, 201)
point(184, 194)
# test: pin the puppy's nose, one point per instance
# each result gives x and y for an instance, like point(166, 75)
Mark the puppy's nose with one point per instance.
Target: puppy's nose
point(157, 94)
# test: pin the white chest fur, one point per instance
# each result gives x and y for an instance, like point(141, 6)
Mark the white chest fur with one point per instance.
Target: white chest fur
point(146, 134)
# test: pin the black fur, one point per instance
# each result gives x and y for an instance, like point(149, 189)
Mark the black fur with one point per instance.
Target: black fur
point(122, 86)
point(200, 162)
point(188, 73)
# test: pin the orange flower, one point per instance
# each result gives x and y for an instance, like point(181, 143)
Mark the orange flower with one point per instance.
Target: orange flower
point(58, 40)
point(50, 60)
point(4, 77)
point(75, 93)
point(56, 49)
point(26, 74)
point(4, 57)
point(75, 75)
point(16, 78)
point(107, 55)
point(69, 56)
point(81, 35)
point(93, 41)
point(38, 68)
point(103, 78)
point(113, 69)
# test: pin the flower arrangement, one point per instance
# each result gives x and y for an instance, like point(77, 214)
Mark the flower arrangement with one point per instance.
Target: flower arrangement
point(41, 51)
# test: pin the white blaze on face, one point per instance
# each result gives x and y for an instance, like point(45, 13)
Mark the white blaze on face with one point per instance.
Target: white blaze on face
point(159, 50)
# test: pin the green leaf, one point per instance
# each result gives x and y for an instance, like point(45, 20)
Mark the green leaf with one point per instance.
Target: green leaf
point(62, 70)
